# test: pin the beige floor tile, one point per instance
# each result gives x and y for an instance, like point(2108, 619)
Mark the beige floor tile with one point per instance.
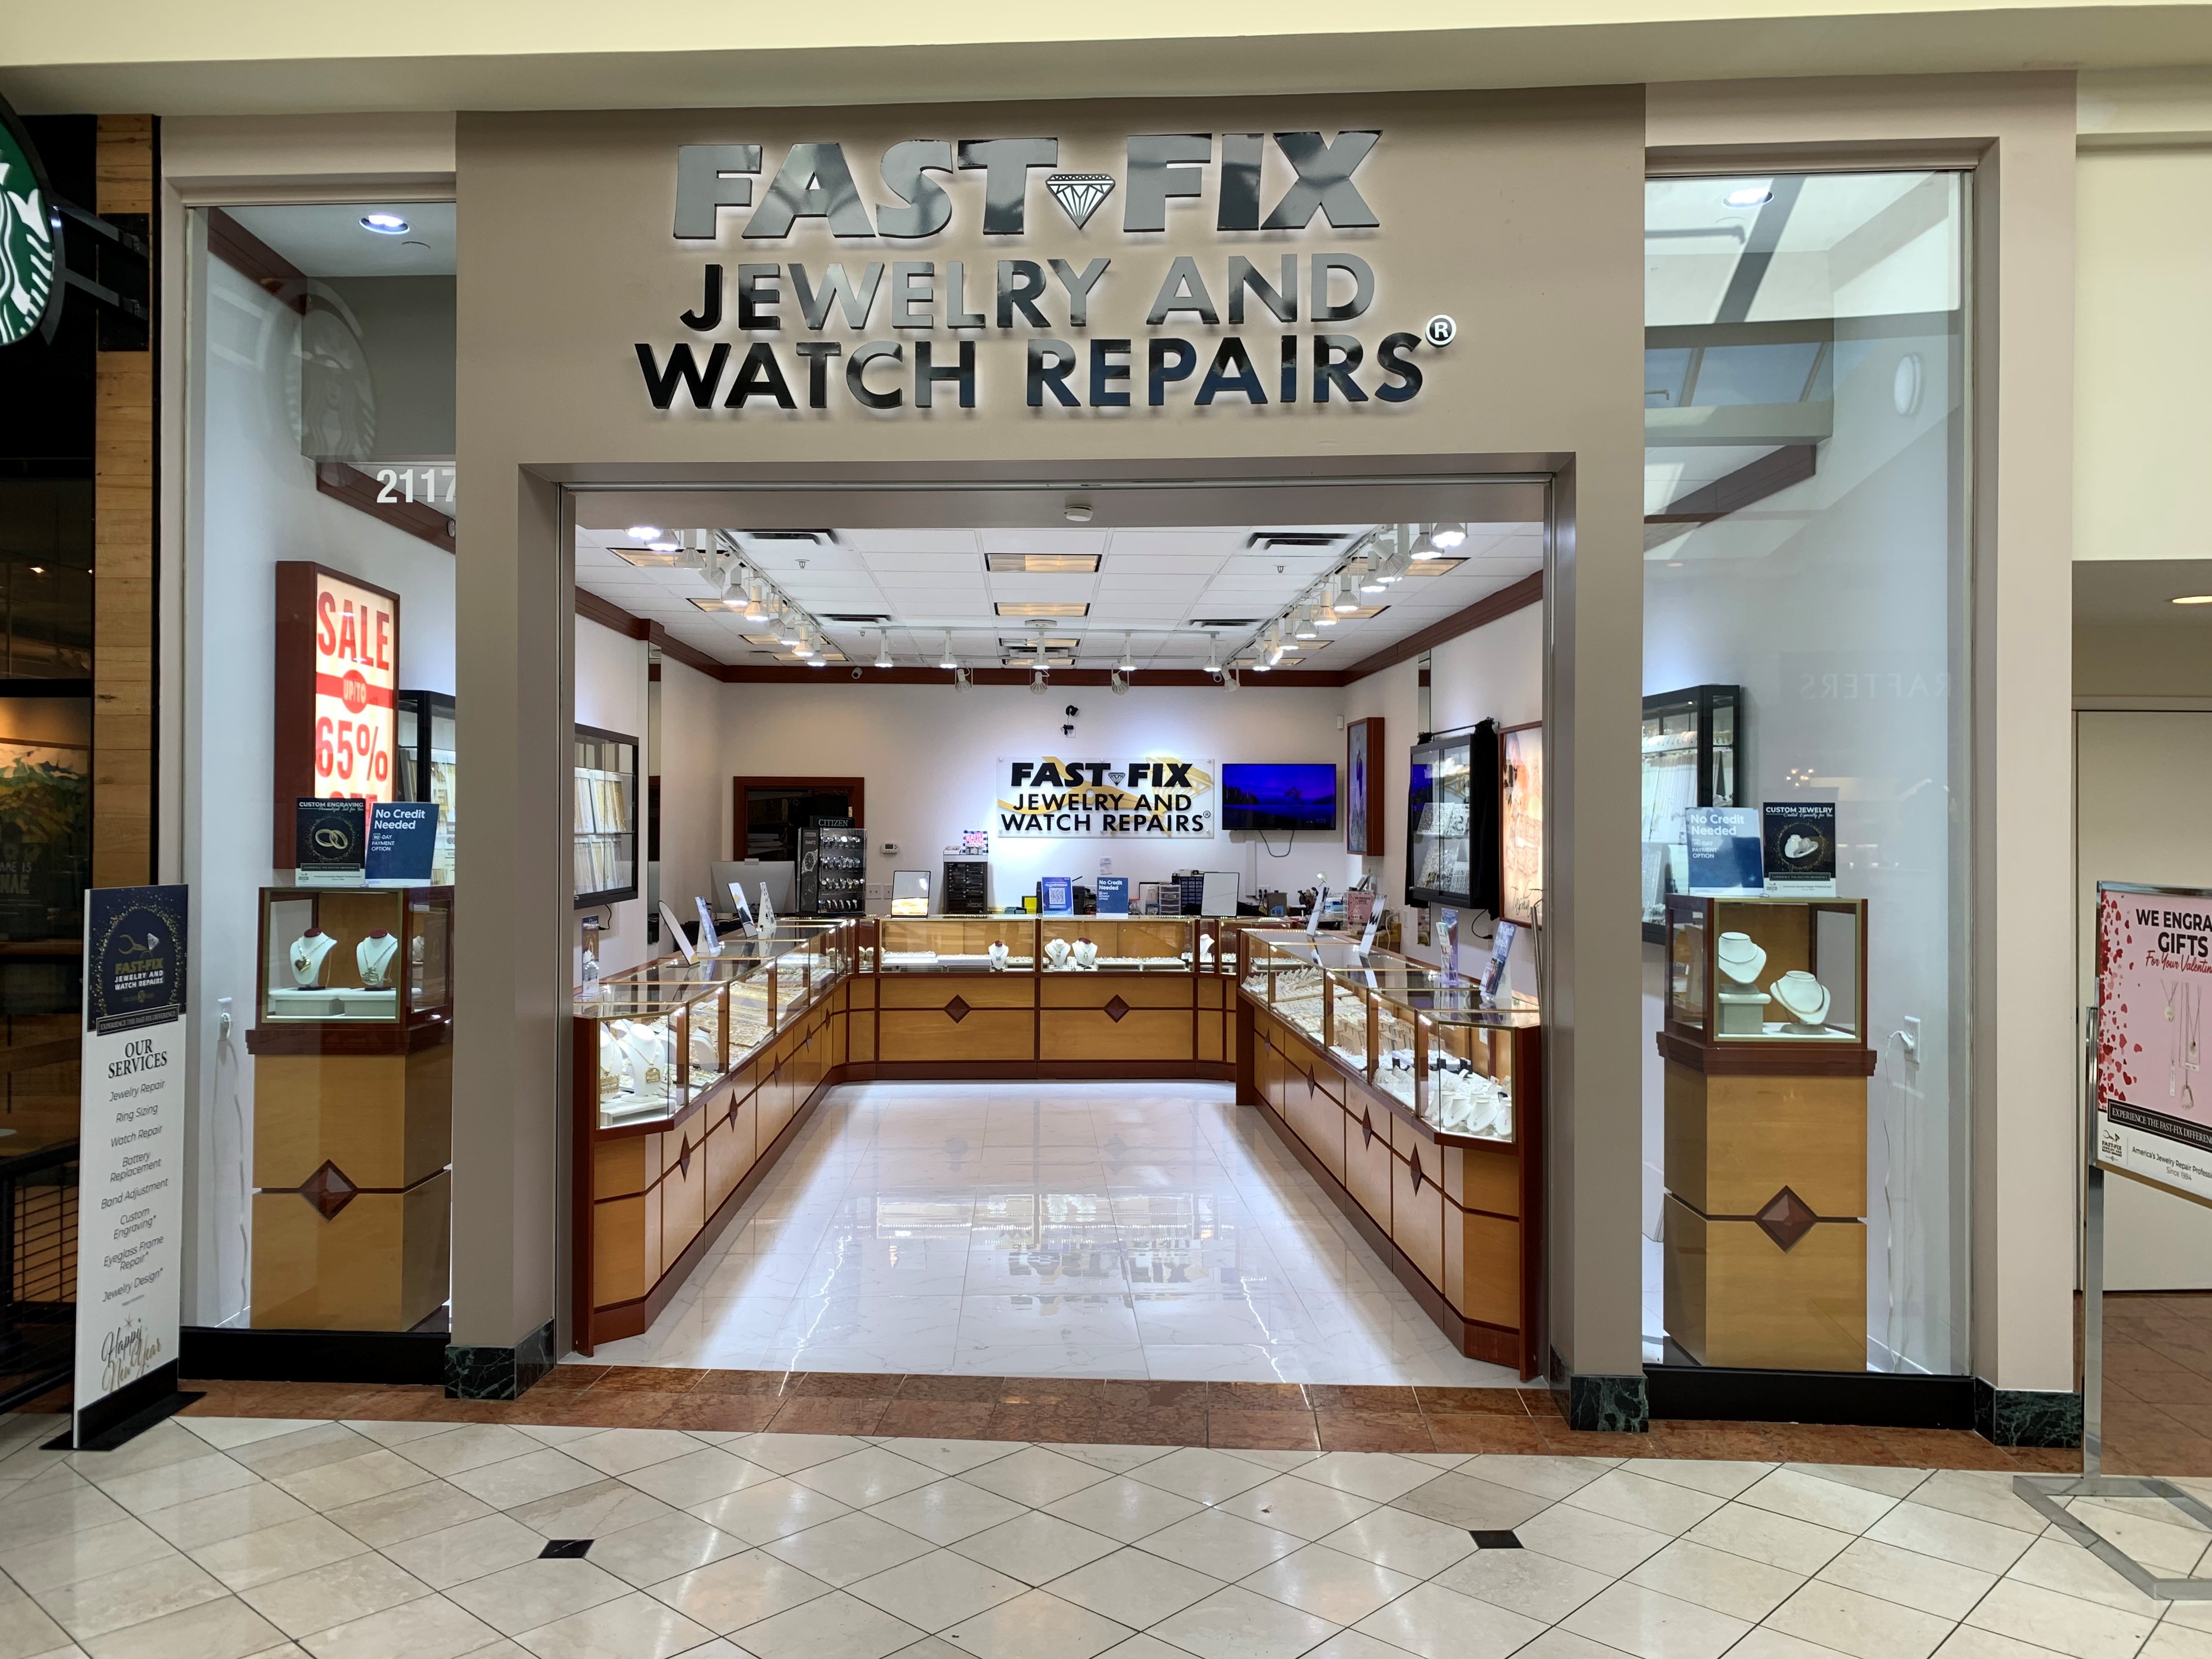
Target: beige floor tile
point(1401, 1541)
point(1967, 1643)
point(1926, 1581)
point(2150, 1530)
point(335, 1485)
point(515, 1481)
point(1651, 1625)
point(635, 1626)
point(738, 1591)
point(787, 1454)
point(1204, 1476)
point(1547, 1477)
point(1329, 1584)
point(324, 1596)
point(1036, 1476)
point(1300, 1508)
point(176, 1483)
point(1776, 1540)
point(528, 1595)
point(1732, 1584)
point(938, 1589)
point(428, 1627)
point(619, 1451)
point(223, 1629)
point(1830, 1504)
point(1135, 1588)
point(67, 1558)
point(34, 1520)
point(844, 1551)
point(472, 1446)
point(1655, 1505)
point(1715, 1477)
point(592, 1511)
point(108, 1602)
point(410, 1512)
point(863, 1478)
point(1440, 1624)
point(1127, 1510)
point(955, 1456)
point(1033, 1624)
point(398, 1432)
point(2088, 1630)
point(2176, 1641)
point(1534, 1585)
point(774, 1508)
point(1862, 1625)
point(1600, 1542)
point(1986, 1495)
point(227, 1515)
point(1950, 1537)
point(1767, 1642)
point(1228, 1547)
point(700, 1476)
point(1036, 1547)
point(1378, 1475)
point(832, 1626)
point(1891, 1483)
point(278, 1551)
point(657, 1550)
point(1473, 1505)
point(309, 1448)
point(26, 1630)
point(225, 1432)
point(453, 1555)
point(946, 1511)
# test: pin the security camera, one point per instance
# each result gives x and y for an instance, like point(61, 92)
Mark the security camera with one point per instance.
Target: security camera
point(1071, 711)
point(856, 673)
point(1067, 730)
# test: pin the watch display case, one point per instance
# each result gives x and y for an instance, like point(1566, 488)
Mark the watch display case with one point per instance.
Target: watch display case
point(1690, 757)
point(832, 879)
point(425, 750)
point(365, 955)
point(606, 817)
point(1782, 971)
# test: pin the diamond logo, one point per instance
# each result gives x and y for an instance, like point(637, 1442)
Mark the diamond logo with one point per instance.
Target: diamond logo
point(1080, 194)
point(956, 1010)
point(1786, 1219)
point(1114, 778)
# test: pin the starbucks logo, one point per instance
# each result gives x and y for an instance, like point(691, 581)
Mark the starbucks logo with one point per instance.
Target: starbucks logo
point(29, 253)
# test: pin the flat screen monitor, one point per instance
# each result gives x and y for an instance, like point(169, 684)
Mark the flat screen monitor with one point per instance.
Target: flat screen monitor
point(1296, 796)
point(779, 874)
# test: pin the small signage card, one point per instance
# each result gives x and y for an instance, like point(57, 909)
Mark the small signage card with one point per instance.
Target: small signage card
point(1501, 949)
point(676, 933)
point(1723, 843)
point(331, 838)
point(709, 940)
point(1314, 916)
point(403, 839)
point(1056, 896)
point(740, 904)
point(1113, 896)
point(1798, 841)
point(130, 1226)
point(1447, 934)
point(974, 843)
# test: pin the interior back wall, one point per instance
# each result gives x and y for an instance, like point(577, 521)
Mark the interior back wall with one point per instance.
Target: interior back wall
point(927, 753)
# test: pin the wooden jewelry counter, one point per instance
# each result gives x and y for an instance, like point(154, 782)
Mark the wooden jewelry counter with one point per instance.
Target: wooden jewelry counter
point(1421, 1112)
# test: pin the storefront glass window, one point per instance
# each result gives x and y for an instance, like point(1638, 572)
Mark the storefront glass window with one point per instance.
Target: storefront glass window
point(1804, 770)
point(319, 644)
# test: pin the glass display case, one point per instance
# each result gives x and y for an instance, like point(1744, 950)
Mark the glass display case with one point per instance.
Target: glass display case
point(1452, 854)
point(962, 944)
point(606, 817)
point(378, 955)
point(832, 879)
point(644, 1036)
point(1285, 975)
point(1766, 970)
point(1475, 1055)
point(1117, 945)
point(424, 746)
point(1690, 757)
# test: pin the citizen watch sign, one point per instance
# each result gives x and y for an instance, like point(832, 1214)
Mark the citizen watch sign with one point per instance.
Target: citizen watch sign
point(1287, 318)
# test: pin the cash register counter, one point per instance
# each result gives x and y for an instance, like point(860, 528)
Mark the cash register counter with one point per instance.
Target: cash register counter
point(690, 1079)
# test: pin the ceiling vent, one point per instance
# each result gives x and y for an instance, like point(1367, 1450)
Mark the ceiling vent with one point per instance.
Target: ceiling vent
point(1224, 622)
point(1271, 538)
point(821, 537)
point(868, 619)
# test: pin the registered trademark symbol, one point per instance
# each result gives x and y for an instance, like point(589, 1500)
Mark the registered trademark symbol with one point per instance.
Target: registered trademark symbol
point(1442, 330)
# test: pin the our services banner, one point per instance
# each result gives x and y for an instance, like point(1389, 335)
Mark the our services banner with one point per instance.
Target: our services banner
point(2154, 1097)
point(131, 1170)
point(1155, 797)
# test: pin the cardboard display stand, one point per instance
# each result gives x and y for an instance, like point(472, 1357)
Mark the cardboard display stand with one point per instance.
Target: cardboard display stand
point(2150, 1119)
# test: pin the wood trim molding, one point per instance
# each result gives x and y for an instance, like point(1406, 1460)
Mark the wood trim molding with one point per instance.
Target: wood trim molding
point(255, 260)
point(605, 612)
point(1529, 591)
point(358, 490)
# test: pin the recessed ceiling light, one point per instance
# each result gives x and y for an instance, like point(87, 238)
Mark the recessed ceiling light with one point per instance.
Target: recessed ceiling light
point(1750, 196)
point(384, 224)
point(40, 570)
point(1433, 567)
point(720, 604)
point(1043, 610)
point(1042, 564)
point(2186, 599)
point(646, 557)
point(665, 545)
point(645, 532)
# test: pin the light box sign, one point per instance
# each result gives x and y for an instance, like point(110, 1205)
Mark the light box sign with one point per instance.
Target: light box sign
point(1156, 798)
point(337, 688)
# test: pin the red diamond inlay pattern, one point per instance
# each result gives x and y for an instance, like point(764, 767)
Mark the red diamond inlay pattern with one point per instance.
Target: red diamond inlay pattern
point(957, 1010)
point(328, 1190)
point(1115, 1009)
point(1417, 1169)
point(1366, 1128)
point(684, 1156)
point(1786, 1219)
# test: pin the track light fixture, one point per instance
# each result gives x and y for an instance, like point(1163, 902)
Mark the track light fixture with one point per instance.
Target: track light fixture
point(884, 651)
point(1040, 681)
point(948, 660)
point(1449, 535)
point(1128, 663)
point(1303, 627)
point(960, 680)
point(1347, 598)
point(789, 630)
point(1371, 580)
point(1119, 681)
point(1213, 655)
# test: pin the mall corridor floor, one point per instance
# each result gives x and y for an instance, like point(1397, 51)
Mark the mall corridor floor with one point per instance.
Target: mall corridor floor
point(1121, 1229)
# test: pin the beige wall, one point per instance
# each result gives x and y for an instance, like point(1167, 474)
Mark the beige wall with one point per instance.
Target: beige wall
point(1547, 366)
point(2132, 661)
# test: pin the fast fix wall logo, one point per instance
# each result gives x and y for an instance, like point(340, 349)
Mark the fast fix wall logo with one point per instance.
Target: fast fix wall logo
point(1158, 797)
point(1315, 305)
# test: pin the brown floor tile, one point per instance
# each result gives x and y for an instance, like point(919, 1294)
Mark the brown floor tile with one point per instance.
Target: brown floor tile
point(1076, 1424)
point(1501, 1402)
point(1342, 1397)
point(1541, 1402)
point(1080, 1391)
point(847, 1385)
point(1485, 1432)
point(950, 1390)
point(1261, 1430)
point(732, 1413)
point(827, 1414)
point(1738, 1444)
point(570, 1376)
point(589, 1408)
point(2181, 1453)
point(647, 1379)
point(936, 1420)
point(1258, 1397)
point(1944, 1449)
point(2046, 1459)
point(772, 1385)
point(1121, 1396)
point(2177, 1388)
point(1373, 1431)
point(1830, 1443)
point(1150, 1425)
point(1563, 1442)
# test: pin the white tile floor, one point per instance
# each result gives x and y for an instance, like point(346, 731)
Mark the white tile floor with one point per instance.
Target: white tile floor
point(1130, 1230)
point(225, 1538)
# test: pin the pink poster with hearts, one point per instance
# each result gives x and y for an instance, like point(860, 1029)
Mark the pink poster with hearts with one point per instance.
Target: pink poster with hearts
point(2153, 983)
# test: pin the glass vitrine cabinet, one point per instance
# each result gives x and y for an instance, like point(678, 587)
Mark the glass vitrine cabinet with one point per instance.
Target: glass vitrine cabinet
point(1775, 971)
point(375, 955)
point(1117, 945)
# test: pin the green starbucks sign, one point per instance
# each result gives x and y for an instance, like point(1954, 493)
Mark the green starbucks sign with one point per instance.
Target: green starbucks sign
point(30, 239)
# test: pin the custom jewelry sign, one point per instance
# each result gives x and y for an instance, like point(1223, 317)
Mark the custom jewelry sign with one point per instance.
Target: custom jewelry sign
point(2153, 980)
point(1158, 797)
point(130, 1217)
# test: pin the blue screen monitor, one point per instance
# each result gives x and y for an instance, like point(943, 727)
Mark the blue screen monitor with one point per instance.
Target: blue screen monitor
point(1299, 796)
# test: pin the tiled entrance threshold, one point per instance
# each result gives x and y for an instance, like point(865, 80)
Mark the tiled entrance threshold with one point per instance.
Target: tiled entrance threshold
point(222, 1536)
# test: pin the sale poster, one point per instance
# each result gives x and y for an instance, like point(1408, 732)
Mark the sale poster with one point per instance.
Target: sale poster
point(2154, 977)
point(356, 684)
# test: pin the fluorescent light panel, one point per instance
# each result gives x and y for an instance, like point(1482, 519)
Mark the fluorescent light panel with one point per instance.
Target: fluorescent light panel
point(1042, 564)
point(1041, 609)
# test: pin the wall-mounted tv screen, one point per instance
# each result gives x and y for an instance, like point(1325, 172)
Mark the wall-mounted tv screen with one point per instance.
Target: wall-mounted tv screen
point(1300, 796)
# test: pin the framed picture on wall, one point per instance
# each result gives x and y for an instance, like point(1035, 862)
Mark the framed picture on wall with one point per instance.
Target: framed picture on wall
point(1520, 821)
point(1362, 758)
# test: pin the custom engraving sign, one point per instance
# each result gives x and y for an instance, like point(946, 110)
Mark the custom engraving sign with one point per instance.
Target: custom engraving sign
point(129, 1218)
point(853, 330)
point(2153, 983)
point(1159, 798)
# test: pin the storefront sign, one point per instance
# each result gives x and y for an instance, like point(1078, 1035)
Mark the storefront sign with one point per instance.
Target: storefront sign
point(1157, 798)
point(2153, 981)
point(30, 239)
point(129, 1218)
point(1301, 320)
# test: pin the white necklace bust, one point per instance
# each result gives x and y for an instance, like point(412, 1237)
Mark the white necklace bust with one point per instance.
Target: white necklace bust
point(373, 955)
point(307, 953)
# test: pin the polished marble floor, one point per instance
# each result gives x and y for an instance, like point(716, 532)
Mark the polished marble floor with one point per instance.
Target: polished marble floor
point(223, 1537)
point(1125, 1230)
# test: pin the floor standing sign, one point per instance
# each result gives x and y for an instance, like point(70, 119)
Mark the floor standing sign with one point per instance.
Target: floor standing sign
point(2148, 1118)
point(129, 1218)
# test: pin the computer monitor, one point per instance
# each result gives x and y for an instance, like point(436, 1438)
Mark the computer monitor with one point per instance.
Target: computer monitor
point(780, 874)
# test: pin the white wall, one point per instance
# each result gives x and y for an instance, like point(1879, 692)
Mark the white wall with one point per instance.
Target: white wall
point(610, 681)
point(927, 753)
point(695, 788)
point(254, 503)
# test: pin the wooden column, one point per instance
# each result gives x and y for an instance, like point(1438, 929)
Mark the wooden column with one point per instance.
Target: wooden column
point(123, 572)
